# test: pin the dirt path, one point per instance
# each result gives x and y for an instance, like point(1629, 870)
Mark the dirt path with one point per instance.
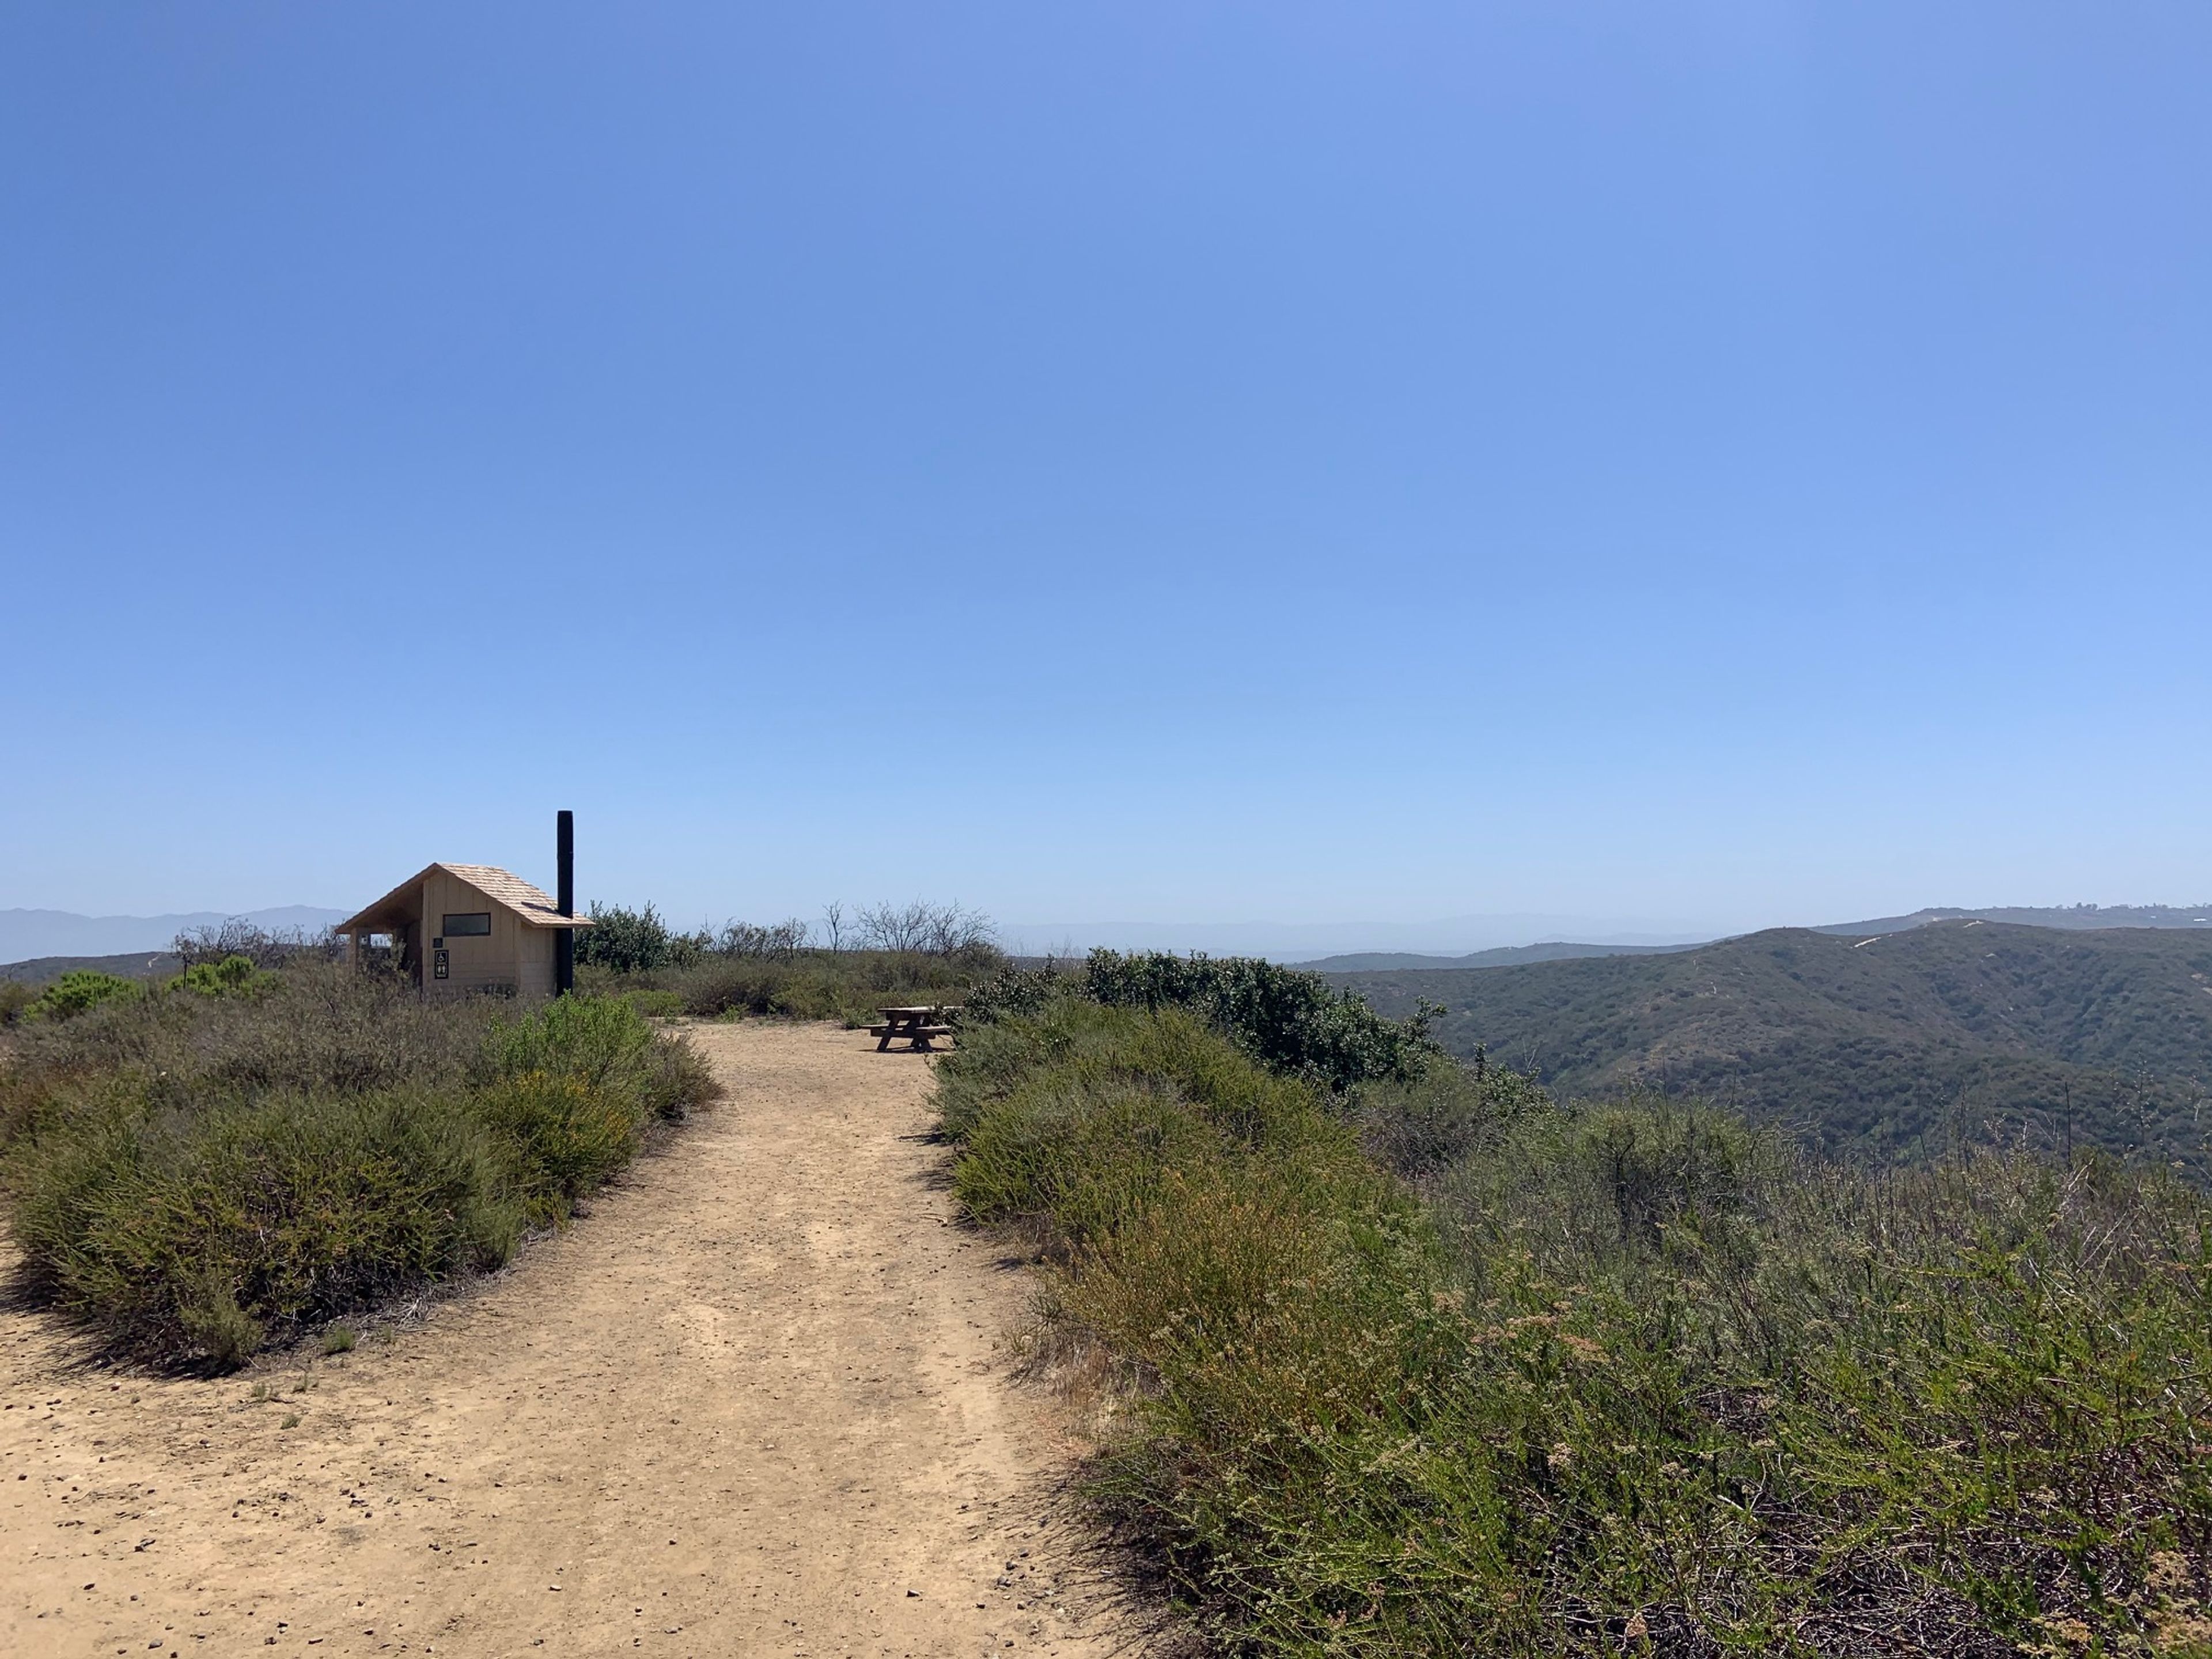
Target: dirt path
point(752, 1405)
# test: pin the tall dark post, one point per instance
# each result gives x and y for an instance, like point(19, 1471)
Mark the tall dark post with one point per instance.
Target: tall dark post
point(565, 941)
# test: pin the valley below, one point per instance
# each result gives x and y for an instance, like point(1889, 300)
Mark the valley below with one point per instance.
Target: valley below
point(1898, 1045)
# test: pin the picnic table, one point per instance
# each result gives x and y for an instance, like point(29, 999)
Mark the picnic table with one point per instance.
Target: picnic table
point(916, 1025)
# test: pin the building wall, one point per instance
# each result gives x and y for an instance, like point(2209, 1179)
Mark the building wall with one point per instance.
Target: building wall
point(485, 963)
point(536, 962)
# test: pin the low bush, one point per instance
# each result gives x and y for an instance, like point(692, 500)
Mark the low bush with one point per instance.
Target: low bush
point(567, 1135)
point(602, 1042)
point(1446, 1114)
point(318, 1027)
point(233, 976)
point(596, 1039)
point(912, 952)
point(1283, 1017)
point(195, 1175)
point(207, 1232)
point(653, 1003)
point(1078, 1117)
point(1637, 1378)
point(625, 941)
point(848, 986)
point(78, 991)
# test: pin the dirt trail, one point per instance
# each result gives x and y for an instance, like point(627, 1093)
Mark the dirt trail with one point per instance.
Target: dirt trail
point(754, 1404)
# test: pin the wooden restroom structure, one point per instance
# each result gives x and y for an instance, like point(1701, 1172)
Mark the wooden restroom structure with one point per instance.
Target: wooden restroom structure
point(464, 929)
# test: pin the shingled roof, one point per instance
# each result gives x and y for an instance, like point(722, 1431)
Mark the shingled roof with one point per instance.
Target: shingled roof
point(501, 886)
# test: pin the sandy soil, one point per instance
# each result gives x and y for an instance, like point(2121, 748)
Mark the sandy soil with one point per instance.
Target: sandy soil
point(754, 1403)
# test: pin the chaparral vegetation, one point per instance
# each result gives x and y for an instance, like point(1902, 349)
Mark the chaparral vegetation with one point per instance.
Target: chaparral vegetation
point(196, 1169)
point(1409, 1358)
point(1391, 1354)
point(845, 967)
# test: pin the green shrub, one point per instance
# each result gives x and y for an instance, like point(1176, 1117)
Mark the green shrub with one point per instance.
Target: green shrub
point(675, 1077)
point(598, 1040)
point(15, 997)
point(848, 986)
point(1283, 1017)
point(1085, 1138)
point(914, 953)
point(235, 975)
point(1444, 1115)
point(567, 1135)
point(1013, 992)
point(195, 1175)
point(319, 1027)
point(626, 941)
point(79, 991)
point(210, 1318)
point(206, 1231)
point(605, 1042)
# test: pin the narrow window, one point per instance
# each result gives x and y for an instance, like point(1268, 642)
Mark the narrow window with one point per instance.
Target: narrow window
point(475, 922)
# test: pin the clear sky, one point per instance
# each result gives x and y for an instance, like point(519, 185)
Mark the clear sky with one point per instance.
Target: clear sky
point(1708, 463)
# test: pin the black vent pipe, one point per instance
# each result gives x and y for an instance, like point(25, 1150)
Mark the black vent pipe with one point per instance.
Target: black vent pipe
point(564, 940)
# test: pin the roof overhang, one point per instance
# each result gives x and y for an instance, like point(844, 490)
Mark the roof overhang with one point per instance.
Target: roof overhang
point(510, 892)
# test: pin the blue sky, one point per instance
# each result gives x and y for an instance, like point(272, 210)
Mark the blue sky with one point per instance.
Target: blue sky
point(1701, 464)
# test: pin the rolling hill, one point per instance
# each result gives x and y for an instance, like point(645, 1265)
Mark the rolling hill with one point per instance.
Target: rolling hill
point(135, 965)
point(1885, 1045)
point(2073, 917)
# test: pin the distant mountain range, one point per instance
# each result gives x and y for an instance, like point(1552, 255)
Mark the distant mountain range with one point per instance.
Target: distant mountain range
point(2067, 916)
point(2073, 917)
point(24, 934)
point(1890, 1043)
point(1305, 941)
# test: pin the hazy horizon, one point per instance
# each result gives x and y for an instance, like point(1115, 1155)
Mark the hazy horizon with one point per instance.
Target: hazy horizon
point(29, 933)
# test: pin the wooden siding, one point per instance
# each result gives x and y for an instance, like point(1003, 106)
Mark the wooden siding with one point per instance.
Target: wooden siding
point(534, 975)
point(491, 962)
point(515, 958)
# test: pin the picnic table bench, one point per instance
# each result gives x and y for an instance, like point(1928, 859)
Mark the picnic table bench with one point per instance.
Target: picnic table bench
point(916, 1025)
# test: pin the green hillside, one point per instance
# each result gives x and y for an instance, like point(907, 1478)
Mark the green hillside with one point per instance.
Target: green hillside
point(2072, 917)
point(131, 964)
point(1893, 1045)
